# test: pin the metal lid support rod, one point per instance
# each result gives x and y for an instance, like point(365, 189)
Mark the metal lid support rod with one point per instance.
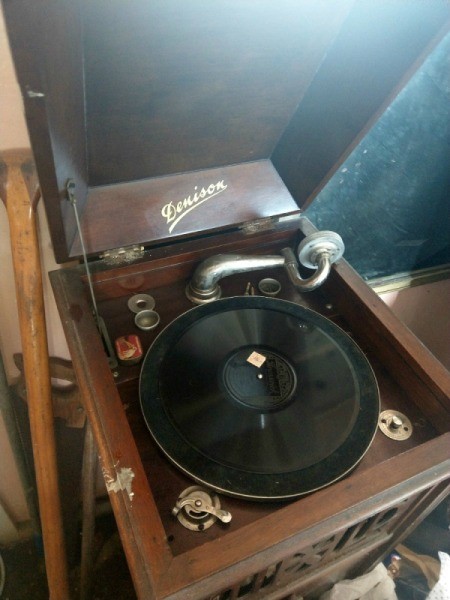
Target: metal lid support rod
point(101, 326)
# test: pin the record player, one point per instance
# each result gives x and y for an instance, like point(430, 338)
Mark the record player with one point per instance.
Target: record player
point(167, 133)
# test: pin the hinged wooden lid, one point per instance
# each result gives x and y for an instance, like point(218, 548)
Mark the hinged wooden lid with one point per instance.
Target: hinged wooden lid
point(182, 117)
point(184, 205)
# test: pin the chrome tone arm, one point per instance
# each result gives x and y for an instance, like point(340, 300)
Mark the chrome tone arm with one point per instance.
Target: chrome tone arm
point(204, 286)
point(318, 251)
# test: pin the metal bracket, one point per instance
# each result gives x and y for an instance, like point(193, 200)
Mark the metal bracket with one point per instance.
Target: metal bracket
point(395, 425)
point(264, 224)
point(122, 256)
point(197, 509)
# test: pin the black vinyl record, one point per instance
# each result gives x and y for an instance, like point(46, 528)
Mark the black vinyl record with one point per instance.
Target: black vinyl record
point(259, 398)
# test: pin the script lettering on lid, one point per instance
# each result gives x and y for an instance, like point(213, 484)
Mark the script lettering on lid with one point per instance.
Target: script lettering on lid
point(173, 212)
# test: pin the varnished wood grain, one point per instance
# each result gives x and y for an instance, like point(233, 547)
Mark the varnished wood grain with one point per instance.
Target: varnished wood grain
point(239, 81)
point(130, 96)
point(305, 517)
point(424, 378)
point(169, 563)
point(174, 86)
point(166, 209)
point(17, 177)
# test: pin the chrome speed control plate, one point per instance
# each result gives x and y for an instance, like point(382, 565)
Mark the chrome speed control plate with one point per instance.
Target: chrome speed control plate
point(395, 425)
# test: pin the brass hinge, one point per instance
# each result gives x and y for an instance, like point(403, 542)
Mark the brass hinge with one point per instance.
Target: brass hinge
point(267, 223)
point(122, 256)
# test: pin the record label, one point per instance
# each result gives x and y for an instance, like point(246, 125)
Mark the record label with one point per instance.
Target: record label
point(256, 359)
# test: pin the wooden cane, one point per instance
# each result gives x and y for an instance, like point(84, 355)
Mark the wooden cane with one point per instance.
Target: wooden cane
point(18, 190)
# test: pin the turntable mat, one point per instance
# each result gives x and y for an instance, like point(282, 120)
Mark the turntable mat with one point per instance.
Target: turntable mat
point(259, 398)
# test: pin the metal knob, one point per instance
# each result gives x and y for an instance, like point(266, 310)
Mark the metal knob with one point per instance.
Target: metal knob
point(197, 509)
point(200, 506)
point(395, 425)
point(396, 422)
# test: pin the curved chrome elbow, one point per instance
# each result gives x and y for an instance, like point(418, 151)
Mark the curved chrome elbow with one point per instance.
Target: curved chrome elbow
point(316, 279)
point(317, 251)
point(204, 285)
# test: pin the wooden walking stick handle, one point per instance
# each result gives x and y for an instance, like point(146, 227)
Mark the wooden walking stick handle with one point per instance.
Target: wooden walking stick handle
point(19, 192)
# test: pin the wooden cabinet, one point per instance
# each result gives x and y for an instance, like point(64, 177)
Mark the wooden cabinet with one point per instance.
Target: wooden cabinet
point(193, 130)
point(267, 550)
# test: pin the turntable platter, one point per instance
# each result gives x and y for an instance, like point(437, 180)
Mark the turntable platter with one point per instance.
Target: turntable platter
point(259, 398)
